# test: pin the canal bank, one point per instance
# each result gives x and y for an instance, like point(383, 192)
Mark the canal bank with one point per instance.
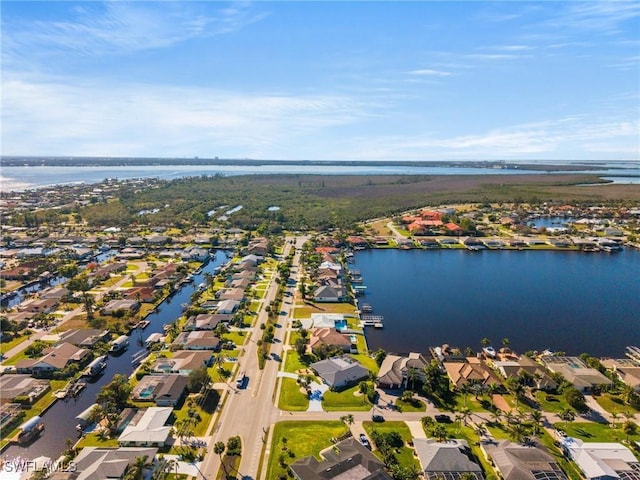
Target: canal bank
point(59, 420)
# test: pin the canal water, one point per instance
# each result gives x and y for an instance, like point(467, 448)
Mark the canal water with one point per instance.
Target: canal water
point(59, 420)
point(565, 301)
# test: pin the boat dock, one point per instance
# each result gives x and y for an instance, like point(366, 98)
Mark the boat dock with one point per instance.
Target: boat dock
point(633, 353)
point(372, 321)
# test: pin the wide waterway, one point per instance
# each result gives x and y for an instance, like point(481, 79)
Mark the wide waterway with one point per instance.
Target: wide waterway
point(566, 301)
point(59, 420)
point(27, 177)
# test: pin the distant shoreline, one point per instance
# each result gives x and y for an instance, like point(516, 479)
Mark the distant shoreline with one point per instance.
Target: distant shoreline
point(555, 166)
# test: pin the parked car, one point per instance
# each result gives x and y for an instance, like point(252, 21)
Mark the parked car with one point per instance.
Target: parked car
point(443, 419)
point(364, 441)
point(377, 418)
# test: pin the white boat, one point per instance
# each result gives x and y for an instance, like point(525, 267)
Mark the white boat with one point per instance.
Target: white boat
point(119, 344)
point(489, 351)
point(96, 366)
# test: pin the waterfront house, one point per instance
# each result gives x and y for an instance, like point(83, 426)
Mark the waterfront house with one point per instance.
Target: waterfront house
point(576, 372)
point(626, 370)
point(602, 461)
point(522, 462)
point(197, 340)
point(115, 306)
point(328, 337)
point(39, 305)
point(227, 307)
point(84, 337)
point(232, 294)
point(147, 428)
point(512, 368)
point(339, 372)
point(183, 362)
point(141, 294)
point(165, 390)
point(13, 387)
point(472, 370)
point(394, 370)
point(326, 293)
point(53, 359)
point(206, 321)
point(451, 459)
point(99, 463)
point(347, 459)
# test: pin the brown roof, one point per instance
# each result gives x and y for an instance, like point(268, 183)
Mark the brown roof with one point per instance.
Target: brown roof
point(328, 336)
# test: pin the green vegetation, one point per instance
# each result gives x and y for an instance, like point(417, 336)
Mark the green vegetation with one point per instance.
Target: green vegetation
point(596, 432)
point(348, 400)
point(291, 397)
point(392, 439)
point(295, 440)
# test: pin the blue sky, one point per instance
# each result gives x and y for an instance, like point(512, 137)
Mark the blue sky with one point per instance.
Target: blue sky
point(322, 80)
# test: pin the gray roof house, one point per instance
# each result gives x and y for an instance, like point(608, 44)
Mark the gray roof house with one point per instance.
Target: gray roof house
point(602, 461)
point(98, 463)
point(522, 462)
point(84, 337)
point(326, 293)
point(164, 390)
point(346, 460)
point(340, 371)
point(183, 361)
point(227, 306)
point(450, 459)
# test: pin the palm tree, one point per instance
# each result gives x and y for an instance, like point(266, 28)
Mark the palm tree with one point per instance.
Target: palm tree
point(465, 413)
point(218, 449)
point(568, 415)
point(412, 374)
point(440, 432)
point(518, 431)
point(629, 428)
point(347, 419)
point(614, 416)
point(137, 473)
point(465, 388)
point(485, 342)
point(536, 418)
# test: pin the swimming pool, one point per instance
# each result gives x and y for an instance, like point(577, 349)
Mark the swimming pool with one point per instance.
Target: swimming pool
point(341, 324)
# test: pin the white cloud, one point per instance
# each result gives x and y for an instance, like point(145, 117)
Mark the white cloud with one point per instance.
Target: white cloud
point(59, 117)
point(430, 73)
point(116, 26)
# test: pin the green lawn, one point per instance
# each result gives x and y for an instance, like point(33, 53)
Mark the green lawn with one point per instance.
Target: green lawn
point(613, 404)
point(236, 337)
point(551, 403)
point(595, 432)
point(291, 398)
point(6, 346)
point(21, 356)
point(292, 362)
point(410, 407)
point(345, 401)
point(303, 439)
point(93, 440)
point(203, 412)
point(405, 453)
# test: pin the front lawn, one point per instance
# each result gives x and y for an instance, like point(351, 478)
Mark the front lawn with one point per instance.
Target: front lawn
point(551, 403)
point(302, 439)
point(293, 363)
point(6, 346)
point(95, 440)
point(415, 406)
point(595, 432)
point(404, 453)
point(203, 409)
point(614, 404)
point(345, 400)
point(291, 398)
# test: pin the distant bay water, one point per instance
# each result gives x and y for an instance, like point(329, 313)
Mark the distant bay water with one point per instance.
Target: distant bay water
point(565, 301)
point(29, 177)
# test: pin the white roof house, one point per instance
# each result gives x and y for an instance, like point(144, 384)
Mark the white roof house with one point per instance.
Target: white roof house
point(599, 460)
point(148, 430)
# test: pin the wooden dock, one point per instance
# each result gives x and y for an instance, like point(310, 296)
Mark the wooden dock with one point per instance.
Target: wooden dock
point(372, 321)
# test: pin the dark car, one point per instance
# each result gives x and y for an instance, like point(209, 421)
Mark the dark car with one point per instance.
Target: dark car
point(443, 419)
point(377, 418)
